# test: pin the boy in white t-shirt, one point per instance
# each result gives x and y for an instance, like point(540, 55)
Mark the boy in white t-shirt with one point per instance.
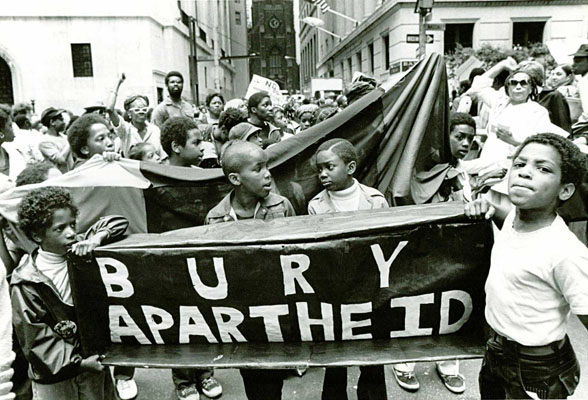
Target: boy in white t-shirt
point(538, 276)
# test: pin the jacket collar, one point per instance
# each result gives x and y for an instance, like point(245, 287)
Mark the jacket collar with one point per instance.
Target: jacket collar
point(223, 209)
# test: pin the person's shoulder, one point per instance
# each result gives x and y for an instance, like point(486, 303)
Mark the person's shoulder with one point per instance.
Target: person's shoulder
point(370, 191)
point(319, 196)
point(565, 242)
point(220, 211)
point(274, 199)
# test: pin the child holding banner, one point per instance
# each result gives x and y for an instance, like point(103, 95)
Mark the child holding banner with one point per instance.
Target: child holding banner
point(43, 311)
point(89, 135)
point(336, 161)
point(245, 166)
point(538, 275)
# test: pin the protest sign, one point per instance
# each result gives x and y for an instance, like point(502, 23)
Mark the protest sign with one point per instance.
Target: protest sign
point(376, 275)
point(260, 84)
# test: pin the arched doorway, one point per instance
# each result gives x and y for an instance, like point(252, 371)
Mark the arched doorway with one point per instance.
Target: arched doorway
point(6, 92)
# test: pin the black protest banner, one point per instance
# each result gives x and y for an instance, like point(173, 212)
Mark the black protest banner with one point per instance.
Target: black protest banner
point(374, 275)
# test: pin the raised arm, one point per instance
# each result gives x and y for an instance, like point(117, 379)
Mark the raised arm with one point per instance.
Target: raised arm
point(106, 229)
point(483, 209)
point(114, 117)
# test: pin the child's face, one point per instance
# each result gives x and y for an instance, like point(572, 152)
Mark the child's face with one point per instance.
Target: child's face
point(333, 172)
point(150, 154)
point(99, 141)
point(254, 177)
point(256, 139)
point(535, 178)
point(191, 152)
point(280, 119)
point(61, 235)
point(460, 140)
point(306, 120)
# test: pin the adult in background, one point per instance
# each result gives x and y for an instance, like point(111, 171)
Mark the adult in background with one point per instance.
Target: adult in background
point(139, 130)
point(173, 105)
point(11, 159)
point(580, 67)
point(54, 145)
point(260, 115)
point(552, 100)
point(214, 106)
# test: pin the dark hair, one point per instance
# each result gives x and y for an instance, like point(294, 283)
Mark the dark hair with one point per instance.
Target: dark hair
point(341, 147)
point(137, 151)
point(173, 73)
point(79, 132)
point(235, 153)
point(22, 121)
point(567, 68)
point(4, 116)
point(458, 118)
point(211, 96)
point(533, 82)
point(34, 173)
point(255, 99)
point(129, 100)
point(535, 70)
point(176, 130)
point(324, 113)
point(230, 118)
point(21, 108)
point(36, 210)
point(573, 161)
point(475, 72)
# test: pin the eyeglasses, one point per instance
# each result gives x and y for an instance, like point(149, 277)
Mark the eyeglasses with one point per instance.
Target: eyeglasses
point(513, 83)
point(139, 109)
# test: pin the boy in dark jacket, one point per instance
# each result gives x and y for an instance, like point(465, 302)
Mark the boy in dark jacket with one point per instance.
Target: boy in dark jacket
point(43, 310)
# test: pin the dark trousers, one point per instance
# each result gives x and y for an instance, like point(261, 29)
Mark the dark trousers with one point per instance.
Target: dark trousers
point(183, 377)
point(371, 384)
point(261, 384)
point(510, 370)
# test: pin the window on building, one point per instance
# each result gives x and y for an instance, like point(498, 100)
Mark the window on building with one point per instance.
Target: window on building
point(386, 51)
point(526, 33)
point(275, 62)
point(342, 70)
point(159, 94)
point(223, 53)
point(371, 57)
point(458, 33)
point(81, 57)
point(238, 17)
point(358, 60)
point(202, 34)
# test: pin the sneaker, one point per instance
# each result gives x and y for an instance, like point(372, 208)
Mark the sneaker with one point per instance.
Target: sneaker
point(187, 393)
point(211, 387)
point(455, 383)
point(406, 380)
point(126, 389)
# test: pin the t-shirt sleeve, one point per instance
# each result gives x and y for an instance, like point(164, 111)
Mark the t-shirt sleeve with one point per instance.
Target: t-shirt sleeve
point(571, 277)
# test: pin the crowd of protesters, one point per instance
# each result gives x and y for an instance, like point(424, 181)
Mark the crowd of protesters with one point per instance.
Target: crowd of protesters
point(493, 141)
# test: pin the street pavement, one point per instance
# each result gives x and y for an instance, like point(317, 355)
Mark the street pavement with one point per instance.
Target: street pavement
point(156, 384)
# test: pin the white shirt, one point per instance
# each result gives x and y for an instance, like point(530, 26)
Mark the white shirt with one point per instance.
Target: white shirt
point(583, 91)
point(129, 135)
point(535, 280)
point(54, 267)
point(346, 199)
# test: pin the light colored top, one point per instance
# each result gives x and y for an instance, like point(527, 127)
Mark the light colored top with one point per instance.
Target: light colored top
point(167, 109)
point(129, 135)
point(535, 280)
point(346, 199)
point(54, 267)
point(583, 91)
point(55, 148)
point(369, 198)
point(6, 354)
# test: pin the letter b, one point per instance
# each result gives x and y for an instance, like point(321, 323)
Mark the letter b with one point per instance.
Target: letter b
point(118, 278)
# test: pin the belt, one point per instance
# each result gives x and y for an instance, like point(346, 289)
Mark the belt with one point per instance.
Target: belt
point(545, 350)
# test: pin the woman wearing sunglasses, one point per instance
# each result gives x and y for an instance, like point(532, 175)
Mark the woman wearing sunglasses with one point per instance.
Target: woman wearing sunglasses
point(139, 130)
point(514, 115)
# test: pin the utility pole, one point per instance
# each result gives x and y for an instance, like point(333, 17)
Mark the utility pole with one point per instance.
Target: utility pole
point(423, 8)
point(216, 50)
point(193, 61)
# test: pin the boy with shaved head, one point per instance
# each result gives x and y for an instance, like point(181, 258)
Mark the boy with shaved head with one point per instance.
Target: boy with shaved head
point(245, 166)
